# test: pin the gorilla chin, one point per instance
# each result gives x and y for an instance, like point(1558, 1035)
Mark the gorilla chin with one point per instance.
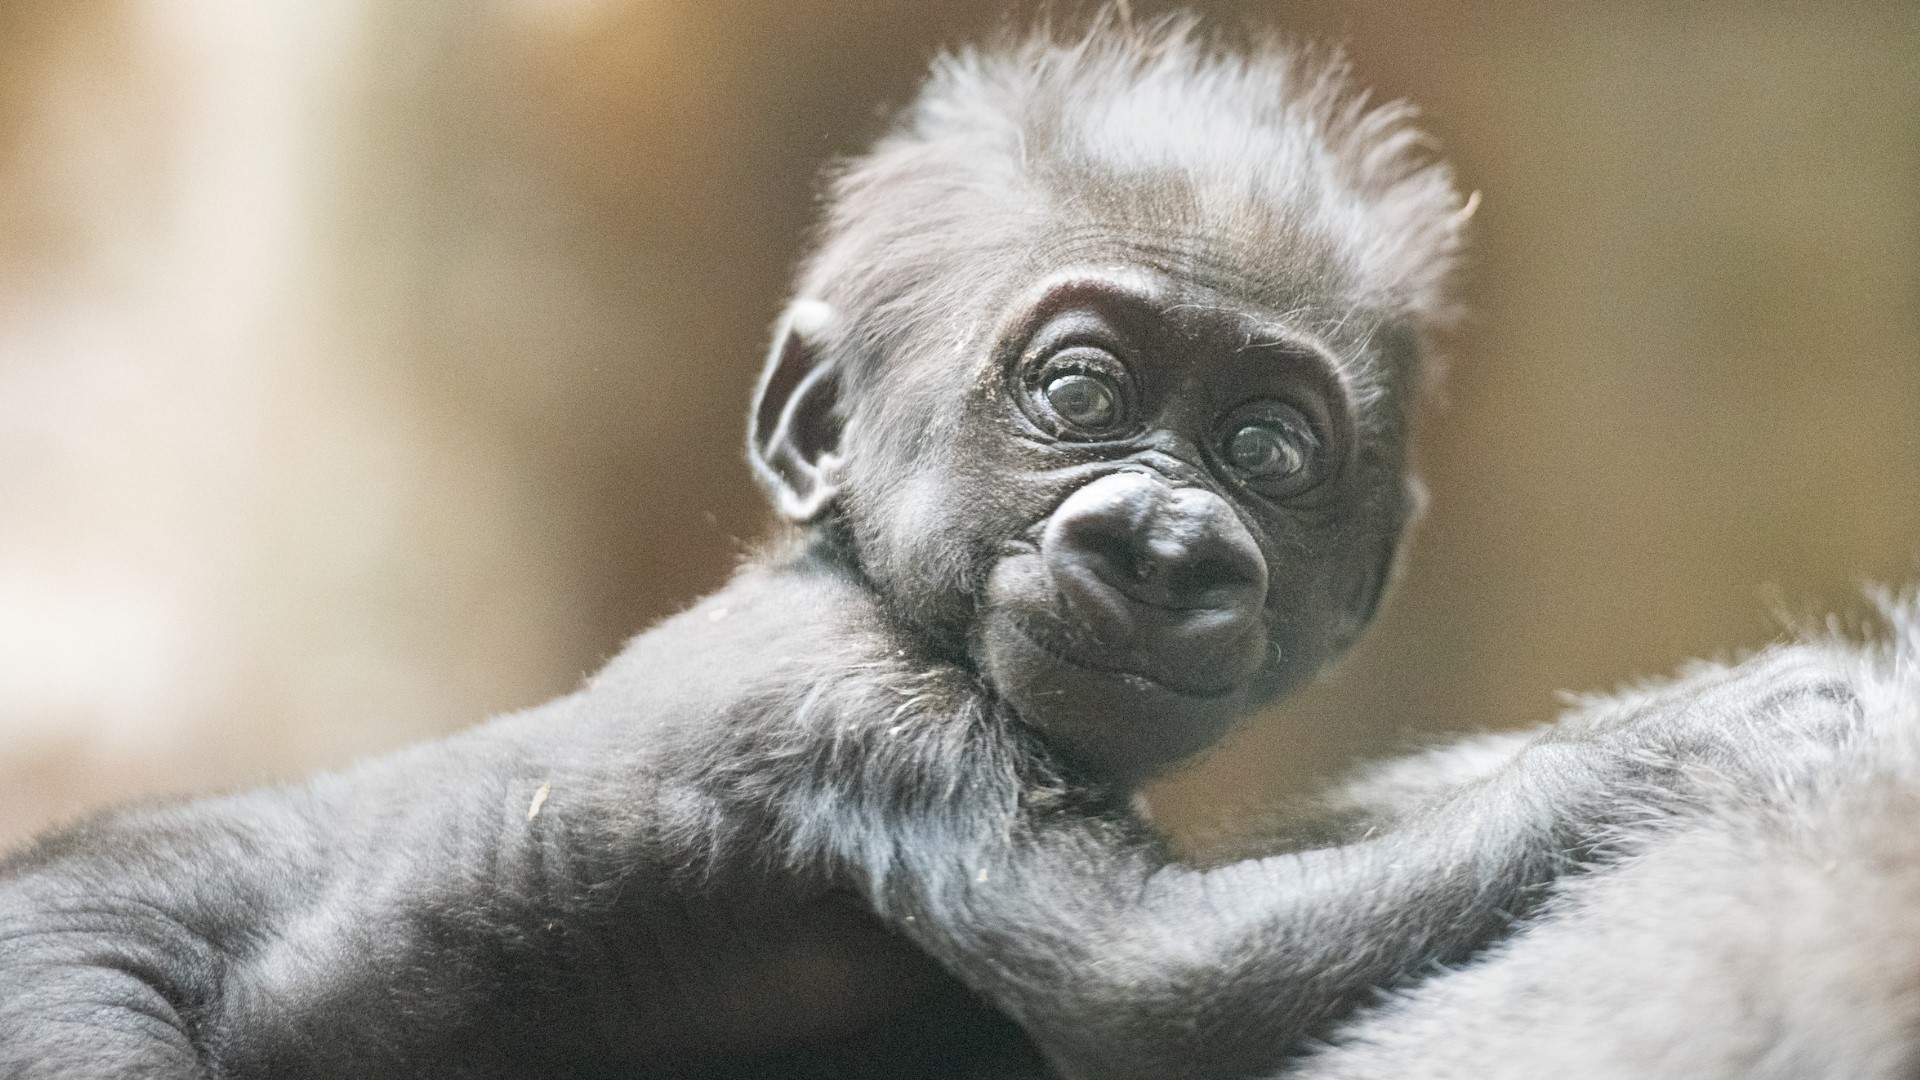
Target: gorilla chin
point(1125, 725)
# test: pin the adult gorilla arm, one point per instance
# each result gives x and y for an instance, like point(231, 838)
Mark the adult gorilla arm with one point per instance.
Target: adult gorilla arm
point(348, 926)
point(1771, 932)
point(588, 884)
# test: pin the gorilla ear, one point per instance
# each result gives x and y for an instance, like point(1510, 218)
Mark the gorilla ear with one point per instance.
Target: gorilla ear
point(794, 443)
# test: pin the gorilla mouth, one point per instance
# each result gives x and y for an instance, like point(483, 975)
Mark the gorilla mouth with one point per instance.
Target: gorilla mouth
point(1068, 619)
point(1121, 720)
point(1068, 655)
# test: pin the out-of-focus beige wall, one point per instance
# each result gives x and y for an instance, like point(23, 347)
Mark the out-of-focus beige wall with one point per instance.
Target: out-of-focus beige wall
point(366, 368)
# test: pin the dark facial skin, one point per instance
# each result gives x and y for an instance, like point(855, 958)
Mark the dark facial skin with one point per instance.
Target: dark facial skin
point(865, 810)
point(1200, 542)
point(1154, 510)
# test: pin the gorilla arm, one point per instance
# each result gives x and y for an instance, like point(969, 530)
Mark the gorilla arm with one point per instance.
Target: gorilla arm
point(355, 925)
point(1155, 969)
point(553, 890)
point(580, 885)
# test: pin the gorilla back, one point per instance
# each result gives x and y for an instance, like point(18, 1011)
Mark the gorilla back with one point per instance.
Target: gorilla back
point(1091, 413)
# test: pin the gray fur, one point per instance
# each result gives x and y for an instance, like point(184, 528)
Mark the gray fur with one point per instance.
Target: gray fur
point(803, 829)
point(1770, 931)
point(1388, 791)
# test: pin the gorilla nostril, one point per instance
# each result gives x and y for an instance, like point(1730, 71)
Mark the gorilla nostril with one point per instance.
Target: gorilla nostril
point(1204, 577)
point(1107, 537)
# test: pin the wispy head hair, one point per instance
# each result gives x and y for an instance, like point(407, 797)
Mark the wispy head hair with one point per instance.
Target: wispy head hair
point(1267, 160)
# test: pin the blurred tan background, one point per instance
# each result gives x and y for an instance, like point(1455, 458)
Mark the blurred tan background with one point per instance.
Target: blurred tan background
point(370, 367)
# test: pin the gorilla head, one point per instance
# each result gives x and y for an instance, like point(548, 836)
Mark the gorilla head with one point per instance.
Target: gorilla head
point(1100, 375)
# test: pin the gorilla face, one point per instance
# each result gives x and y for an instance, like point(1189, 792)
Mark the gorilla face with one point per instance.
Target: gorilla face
point(1207, 535)
point(1140, 506)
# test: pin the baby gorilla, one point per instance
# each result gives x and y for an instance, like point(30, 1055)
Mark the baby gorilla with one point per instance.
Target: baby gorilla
point(1094, 409)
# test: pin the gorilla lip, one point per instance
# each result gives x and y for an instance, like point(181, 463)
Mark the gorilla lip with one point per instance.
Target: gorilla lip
point(1023, 625)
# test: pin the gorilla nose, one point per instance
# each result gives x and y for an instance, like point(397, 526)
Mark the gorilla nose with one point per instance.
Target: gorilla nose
point(1168, 576)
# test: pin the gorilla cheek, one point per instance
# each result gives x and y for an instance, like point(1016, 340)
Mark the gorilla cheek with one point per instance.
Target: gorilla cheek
point(914, 547)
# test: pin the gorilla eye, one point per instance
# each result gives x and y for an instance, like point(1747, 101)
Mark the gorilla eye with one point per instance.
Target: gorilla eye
point(1273, 448)
point(1083, 400)
point(1258, 450)
point(1079, 392)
